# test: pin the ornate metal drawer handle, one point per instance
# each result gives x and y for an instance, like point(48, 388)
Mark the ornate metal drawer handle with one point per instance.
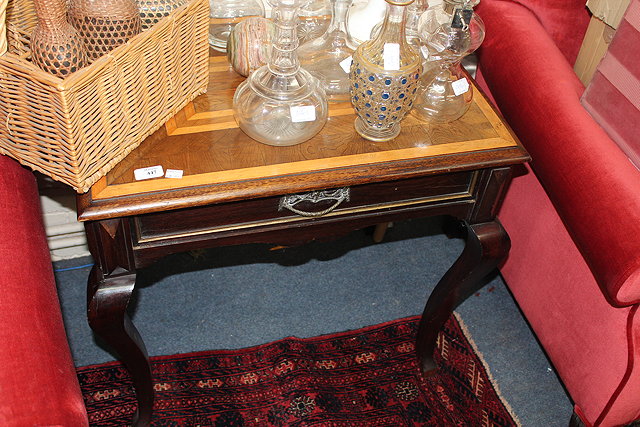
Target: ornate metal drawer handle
point(338, 196)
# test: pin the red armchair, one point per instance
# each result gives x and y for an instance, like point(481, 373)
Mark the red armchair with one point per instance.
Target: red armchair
point(38, 383)
point(574, 216)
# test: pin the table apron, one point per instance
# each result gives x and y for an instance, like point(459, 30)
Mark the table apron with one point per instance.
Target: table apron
point(134, 242)
point(265, 221)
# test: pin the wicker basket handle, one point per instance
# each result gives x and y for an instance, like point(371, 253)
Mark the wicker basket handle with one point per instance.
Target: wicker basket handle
point(3, 26)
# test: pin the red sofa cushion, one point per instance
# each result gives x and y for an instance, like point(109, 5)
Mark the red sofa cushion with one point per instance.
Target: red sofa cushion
point(592, 185)
point(38, 383)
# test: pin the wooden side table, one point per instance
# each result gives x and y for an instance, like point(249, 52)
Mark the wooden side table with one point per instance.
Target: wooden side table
point(235, 190)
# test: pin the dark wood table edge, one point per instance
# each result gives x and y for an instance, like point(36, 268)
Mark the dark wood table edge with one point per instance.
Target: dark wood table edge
point(92, 209)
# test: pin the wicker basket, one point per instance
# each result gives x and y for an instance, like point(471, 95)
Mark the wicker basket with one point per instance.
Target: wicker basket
point(77, 128)
point(3, 30)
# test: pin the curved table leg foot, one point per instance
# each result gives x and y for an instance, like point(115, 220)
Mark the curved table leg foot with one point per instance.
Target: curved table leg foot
point(107, 301)
point(487, 244)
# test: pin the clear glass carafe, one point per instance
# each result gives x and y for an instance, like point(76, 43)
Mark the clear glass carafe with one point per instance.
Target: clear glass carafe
point(445, 90)
point(362, 18)
point(414, 12)
point(328, 57)
point(313, 20)
point(281, 103)
point(384, 77)
point(225, 14)
point(438, 15)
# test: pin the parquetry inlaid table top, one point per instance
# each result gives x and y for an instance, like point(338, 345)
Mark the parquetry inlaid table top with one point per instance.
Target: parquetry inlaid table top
point(235, 190)
point(219, 160)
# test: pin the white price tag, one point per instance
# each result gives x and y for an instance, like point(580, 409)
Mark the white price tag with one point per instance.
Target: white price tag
point(173, 173)
point(460, 86)
point(303, 113)
point(425, 52)
point(147, 173)
point(391, 56)
point(346, 64)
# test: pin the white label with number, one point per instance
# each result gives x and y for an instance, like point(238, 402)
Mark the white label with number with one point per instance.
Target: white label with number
point(460, 86)
point(304, 113)
point(173, 173)
point(391, 56)
point(147, 173)
point(346, 64)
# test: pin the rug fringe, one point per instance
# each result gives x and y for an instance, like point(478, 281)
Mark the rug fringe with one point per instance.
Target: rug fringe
point(494, 383)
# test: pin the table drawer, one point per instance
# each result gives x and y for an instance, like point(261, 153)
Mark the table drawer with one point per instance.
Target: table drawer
point(368, 198)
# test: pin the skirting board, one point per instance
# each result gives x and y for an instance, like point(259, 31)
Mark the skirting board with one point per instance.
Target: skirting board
point(65, 234)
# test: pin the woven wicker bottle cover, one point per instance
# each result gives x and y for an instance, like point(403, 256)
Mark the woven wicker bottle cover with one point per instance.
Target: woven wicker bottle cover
point(151, 11)
point(56, 46)
point(104, 24)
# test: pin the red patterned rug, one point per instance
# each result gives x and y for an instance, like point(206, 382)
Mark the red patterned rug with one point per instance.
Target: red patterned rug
point(367, 377)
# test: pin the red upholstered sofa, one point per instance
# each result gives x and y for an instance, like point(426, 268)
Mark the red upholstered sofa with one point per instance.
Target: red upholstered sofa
point(574, 216)
point(38, 383)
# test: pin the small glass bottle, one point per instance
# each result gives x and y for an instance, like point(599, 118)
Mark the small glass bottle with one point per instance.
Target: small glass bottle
point(56, 47)
point(225, 14)
point(280, 103)
point(104, 24)
point(328, 57)
point(384, 77)
point(446, 93)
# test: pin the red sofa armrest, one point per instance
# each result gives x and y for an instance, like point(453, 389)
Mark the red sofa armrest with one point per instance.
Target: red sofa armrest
point(38, 382)
point(592, 184)
point(565, 21)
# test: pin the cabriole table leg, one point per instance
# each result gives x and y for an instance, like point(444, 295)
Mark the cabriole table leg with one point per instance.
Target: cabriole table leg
point(487, 244)
point(107, 301)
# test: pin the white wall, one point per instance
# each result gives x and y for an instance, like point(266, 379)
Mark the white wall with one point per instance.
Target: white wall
point(65, 234)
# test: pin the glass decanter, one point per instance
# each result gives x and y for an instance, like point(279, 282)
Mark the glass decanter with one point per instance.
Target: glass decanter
point(414, 12)
point(445, 92)
point(281, 103)
point(225, 14)
point(440, 13)
point(328, 57)
point(384, 77)
point(313, 20)
point(362, 18)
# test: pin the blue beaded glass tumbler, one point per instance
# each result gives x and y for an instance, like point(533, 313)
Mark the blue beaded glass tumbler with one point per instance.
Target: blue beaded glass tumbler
point(384, 78)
